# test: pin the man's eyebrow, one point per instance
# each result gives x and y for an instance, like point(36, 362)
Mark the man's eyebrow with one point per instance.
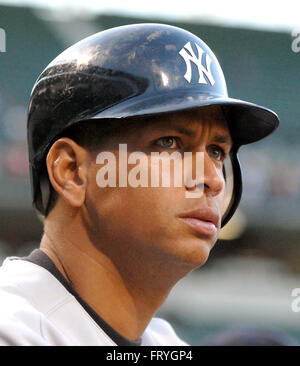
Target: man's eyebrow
point(170, 125)
point(223, 139)
point(184, 131)
point(226, 139)
point(191, 133)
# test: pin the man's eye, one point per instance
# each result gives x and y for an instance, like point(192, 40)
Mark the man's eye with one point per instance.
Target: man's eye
point(169, 142)
point(216, 153)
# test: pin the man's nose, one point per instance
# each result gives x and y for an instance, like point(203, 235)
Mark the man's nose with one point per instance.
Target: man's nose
point(213, 177)
point(211, 180)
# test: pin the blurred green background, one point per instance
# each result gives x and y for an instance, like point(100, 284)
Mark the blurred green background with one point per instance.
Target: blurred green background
point(251, 272)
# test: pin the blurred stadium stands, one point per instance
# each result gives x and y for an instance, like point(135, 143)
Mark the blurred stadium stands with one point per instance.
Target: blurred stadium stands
point(259, 66)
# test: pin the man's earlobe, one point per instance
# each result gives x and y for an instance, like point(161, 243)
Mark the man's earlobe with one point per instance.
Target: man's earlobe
point(66, 164)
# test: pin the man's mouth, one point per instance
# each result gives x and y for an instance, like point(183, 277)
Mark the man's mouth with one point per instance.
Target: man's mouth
point(204, 221)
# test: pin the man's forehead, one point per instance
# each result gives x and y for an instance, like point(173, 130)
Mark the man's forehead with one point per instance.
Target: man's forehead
point(187, 122)
point(191, 122)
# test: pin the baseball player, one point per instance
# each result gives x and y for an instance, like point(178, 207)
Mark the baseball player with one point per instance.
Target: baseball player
point(105, 117)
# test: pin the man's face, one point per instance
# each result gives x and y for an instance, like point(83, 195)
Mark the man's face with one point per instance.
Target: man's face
point(161, 223)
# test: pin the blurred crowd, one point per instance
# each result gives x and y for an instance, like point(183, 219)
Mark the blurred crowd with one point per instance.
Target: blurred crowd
point(14, 161)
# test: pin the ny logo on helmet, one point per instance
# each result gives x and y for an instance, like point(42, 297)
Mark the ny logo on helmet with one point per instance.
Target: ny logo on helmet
point(191, 57)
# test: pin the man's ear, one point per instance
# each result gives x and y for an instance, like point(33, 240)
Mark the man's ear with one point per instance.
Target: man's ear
point(67, 168)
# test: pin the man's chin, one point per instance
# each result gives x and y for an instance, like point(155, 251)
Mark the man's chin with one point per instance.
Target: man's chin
point(193, 253)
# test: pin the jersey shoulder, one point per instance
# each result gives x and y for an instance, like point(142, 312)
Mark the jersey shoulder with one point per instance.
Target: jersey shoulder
point(25, 292)
point(160, 333)
point(36, 309)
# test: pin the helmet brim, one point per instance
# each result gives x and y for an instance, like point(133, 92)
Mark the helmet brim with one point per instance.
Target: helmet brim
point(248, 122)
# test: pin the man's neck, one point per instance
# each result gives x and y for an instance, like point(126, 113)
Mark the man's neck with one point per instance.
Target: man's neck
point(125, 295)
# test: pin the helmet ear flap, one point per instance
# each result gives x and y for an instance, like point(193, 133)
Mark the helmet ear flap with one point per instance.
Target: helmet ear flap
point(233, 182)
point(45, 192)
point(42, 192)
point(224, 173)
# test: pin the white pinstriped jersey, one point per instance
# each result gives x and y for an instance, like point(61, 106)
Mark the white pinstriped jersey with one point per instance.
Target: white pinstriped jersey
point(38, 308)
